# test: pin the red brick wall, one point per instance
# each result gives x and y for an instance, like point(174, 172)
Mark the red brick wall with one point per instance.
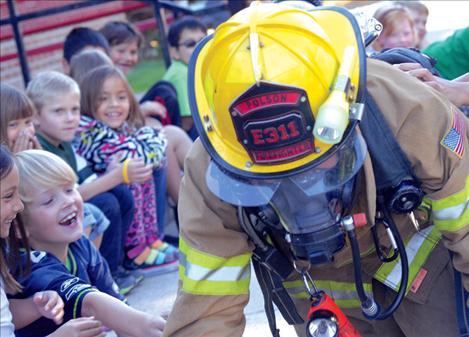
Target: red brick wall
point(10, 71)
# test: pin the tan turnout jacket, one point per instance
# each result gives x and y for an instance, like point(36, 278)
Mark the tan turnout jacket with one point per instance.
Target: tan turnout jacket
point(421, 119)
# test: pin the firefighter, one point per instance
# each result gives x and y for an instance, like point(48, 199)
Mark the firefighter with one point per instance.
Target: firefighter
point(283, 163)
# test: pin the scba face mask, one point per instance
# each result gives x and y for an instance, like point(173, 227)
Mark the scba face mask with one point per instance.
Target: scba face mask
point(307, 205)
point(312, 223)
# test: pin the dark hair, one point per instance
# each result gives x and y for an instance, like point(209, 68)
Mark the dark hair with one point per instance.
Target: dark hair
point(12, 262)
point(15, 104)
point(186, 22)
point(81, 37)
point(6, 161)
point(118, 32)
point(91, 86)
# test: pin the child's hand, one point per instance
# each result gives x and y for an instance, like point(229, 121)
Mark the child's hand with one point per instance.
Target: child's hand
point(153, 109)
point(154, 325)
point(50, 305)
point(138, 172)
point(80, 327)
point(115, 163)
point(25, 141)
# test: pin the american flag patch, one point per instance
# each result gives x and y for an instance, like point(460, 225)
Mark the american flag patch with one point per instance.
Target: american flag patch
point(454, 138)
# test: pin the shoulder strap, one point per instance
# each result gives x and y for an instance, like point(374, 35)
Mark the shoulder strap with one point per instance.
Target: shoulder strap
point(272, 267)
point(407, 55)
point(394, 176)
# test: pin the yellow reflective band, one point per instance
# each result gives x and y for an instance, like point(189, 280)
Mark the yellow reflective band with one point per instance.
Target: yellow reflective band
point(455, 224)
point(418, 248)
point(453, 200)
point(344, 294)
point(452, 213)
point(205, 274)
point(78, 300)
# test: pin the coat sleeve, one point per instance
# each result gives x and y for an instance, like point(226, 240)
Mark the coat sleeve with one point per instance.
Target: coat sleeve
point(214, 267)
point(434, 134)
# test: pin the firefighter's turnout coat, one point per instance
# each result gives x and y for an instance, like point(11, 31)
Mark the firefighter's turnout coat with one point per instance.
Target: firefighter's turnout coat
point(215, 253)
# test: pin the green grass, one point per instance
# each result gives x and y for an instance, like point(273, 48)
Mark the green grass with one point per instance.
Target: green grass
point(145, 74)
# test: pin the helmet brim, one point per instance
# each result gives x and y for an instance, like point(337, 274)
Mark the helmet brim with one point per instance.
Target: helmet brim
point(328, 175)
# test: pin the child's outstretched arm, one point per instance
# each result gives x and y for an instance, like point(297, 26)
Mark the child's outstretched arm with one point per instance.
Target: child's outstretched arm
point(121, 318)
point(44, 303)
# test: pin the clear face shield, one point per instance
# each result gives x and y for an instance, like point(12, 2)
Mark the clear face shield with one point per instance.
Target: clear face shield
point(308, 205)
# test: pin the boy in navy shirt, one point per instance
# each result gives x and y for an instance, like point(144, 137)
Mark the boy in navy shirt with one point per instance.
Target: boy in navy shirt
point(65, 261)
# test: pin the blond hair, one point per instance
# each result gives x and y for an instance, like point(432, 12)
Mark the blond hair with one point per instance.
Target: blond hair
point(49, 84)
point(44, 169)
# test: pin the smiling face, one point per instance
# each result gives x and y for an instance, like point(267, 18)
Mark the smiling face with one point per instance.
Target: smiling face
point(53, 216)
point(113, 103)
point(59, 117)
point(125, 55)
point(10, 202)
point(401, 35)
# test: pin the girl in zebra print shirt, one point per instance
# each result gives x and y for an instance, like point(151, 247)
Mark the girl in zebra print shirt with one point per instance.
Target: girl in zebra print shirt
point(111, 129)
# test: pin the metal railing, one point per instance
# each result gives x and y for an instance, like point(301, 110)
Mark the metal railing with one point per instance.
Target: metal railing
point(15, 19)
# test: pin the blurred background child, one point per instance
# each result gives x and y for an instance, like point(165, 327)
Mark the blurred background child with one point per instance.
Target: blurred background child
point(87, 60)
point(398, 28)
point(82, 38)
point(419, 13)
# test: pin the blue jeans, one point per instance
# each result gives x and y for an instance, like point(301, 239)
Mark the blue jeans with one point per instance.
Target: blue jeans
point(118, 206)
point(159, 176)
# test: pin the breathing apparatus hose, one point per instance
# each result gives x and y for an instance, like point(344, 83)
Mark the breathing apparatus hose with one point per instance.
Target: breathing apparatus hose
point(370, 308)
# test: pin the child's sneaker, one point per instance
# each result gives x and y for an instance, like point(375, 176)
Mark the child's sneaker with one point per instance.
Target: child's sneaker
point(137, 274)
point(149, 258)
point(165, 248)
point(125, 281)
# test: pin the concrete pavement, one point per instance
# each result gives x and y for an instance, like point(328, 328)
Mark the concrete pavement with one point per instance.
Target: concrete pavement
point(157, 293)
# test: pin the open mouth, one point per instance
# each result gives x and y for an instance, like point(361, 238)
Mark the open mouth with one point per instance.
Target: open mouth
point(113, 115)
point(69, 220)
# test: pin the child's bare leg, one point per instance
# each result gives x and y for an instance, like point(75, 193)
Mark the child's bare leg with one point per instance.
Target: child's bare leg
point(180, 142)
point(87, 231)
point(174, 173)
point(97, 241)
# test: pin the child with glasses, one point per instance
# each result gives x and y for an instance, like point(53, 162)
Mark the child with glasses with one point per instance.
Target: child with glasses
point(183, 35)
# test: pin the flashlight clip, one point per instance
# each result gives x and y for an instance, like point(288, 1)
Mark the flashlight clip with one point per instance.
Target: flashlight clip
point(307, 279)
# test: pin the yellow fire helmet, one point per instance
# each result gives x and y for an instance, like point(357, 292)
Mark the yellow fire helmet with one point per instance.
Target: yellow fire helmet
point(270, 93)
